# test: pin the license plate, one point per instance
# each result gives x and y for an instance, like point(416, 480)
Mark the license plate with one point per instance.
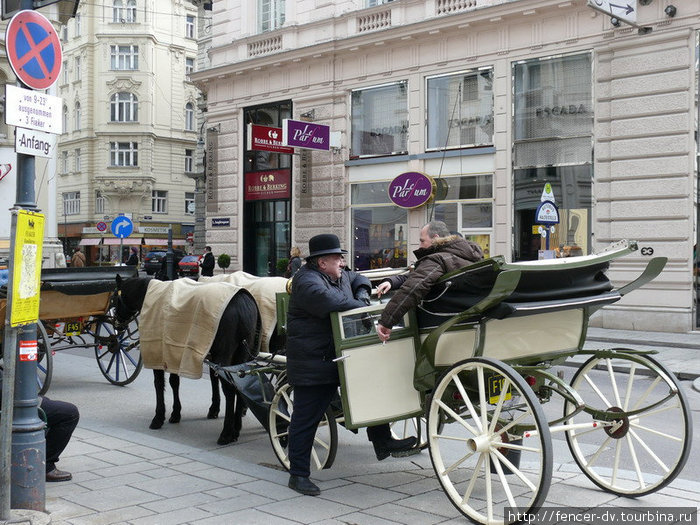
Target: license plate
point(73, 328)
point(495, 384)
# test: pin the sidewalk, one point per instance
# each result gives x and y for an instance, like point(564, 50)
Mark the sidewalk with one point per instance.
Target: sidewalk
point(127, 476)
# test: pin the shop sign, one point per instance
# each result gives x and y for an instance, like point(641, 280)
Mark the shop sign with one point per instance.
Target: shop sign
point(263, 185)
point(266, 138)
point(301, 134)
point(220, 221)
point(411, 189)
point(153, 229)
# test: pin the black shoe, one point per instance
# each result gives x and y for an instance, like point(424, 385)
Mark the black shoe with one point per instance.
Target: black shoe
point(58, 475)
point(395, 447)
point(303, 486)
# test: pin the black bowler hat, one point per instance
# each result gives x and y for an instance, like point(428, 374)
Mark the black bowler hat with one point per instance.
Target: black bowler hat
point(324, 244)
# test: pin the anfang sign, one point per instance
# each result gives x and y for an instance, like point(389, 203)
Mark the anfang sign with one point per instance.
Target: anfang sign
point(411, 189)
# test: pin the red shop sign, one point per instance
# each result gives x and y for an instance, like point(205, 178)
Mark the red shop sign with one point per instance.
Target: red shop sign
point(265, 138)
point(265, 185)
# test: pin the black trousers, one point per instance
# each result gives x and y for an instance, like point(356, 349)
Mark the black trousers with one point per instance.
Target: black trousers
point(62, 418)
point(310, 403)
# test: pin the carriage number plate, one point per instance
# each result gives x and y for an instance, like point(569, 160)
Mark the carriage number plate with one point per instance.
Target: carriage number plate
point(73, 327)
point(495, 384)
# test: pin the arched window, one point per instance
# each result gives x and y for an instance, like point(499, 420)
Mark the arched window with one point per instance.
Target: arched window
point(189, 117)
point(124, 107)
point(78, 116)
point(117, 11)
point(130, 11)
point(65, 119)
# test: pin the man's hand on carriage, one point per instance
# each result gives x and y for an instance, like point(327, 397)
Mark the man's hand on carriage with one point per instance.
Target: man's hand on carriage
point(383, 332)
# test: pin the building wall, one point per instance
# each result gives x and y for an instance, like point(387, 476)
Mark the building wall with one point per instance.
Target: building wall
point(644, 105)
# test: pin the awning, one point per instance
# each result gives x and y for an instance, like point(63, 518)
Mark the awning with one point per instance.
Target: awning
point(89, 242)
point(164, 242)
point(130, 241)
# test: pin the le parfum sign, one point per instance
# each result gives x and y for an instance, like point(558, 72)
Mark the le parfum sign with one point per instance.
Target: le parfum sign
point(411, 189)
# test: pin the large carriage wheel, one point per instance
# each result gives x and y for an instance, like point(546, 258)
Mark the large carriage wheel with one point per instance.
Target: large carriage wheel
point(643, 441)
point(117, 350)
point(489, 441)
point(326, 438)
point(44, 359)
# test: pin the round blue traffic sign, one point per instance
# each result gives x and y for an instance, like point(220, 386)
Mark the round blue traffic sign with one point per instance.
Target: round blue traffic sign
point(122, 227)
point(33, 49)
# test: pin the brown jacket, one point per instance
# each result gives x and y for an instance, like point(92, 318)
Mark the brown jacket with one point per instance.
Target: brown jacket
point(78, 260)
point(447, 254)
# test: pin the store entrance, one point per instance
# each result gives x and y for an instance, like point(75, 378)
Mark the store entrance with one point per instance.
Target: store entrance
point(267, 237)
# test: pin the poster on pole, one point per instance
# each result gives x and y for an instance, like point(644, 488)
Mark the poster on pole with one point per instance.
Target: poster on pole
point(26, 276)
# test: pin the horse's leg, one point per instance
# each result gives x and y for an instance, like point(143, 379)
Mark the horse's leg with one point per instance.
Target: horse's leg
point(234, 415)
point(159, 384)
point(175, 386)
point(215, 396)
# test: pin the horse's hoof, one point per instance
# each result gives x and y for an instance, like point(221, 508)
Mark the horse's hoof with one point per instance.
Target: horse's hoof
point(212, 414)
point(156, 424)
point(174, 418)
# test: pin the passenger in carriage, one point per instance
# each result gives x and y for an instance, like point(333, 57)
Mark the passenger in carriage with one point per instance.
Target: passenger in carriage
point(320, 287)
point(440, 252)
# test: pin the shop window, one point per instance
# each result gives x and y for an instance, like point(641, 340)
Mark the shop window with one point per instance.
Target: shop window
point(553, 127)
point(379, 228)
point(267, 116)
point(380, 120)
point(460, 109)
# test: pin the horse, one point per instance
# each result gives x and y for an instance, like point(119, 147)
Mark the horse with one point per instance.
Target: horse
point(233, 344)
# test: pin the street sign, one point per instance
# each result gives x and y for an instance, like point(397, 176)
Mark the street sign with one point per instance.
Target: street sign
point(33, 49)
point(37, 143)
point(122, 227)
point(101, 226)
point(29, 109)
point(620, 9)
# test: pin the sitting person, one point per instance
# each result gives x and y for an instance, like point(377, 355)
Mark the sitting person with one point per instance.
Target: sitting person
point(440, 252)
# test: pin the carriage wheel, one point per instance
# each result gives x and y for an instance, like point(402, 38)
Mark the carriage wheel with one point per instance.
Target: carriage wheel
point(326, 438)
point(412, 427)
point(117, 351)
point(489, 441)
point(644, 442)
point(44, 359)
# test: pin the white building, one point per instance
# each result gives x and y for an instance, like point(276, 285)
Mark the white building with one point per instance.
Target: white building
point(497, 98)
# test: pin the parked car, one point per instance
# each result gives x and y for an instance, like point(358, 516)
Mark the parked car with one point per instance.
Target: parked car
point(189, 266)
point(153, 260)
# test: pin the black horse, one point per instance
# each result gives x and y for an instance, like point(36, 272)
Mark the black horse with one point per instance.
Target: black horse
point(233, 344)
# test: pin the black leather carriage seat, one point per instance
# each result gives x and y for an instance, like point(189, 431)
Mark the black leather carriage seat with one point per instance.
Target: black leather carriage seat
point(538, 291)
point(84, 281)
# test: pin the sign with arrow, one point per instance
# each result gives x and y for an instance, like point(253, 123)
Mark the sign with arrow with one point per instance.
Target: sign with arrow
point(623, 10)
point(122, 227)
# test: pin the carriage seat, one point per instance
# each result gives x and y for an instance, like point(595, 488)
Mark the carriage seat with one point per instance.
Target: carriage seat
point(84, 281)
point(556, 287)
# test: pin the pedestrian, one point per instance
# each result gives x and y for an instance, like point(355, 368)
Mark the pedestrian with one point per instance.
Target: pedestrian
point(78, 259)
point(207, 263)
point(439, 252)
point(294, 262)
point(320, 287)
point(133, 259)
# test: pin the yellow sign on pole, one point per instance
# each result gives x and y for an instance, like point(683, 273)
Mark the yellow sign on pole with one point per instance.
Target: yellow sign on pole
point(26, 277)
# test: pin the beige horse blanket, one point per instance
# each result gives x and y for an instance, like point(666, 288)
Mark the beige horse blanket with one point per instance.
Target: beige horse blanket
point(178, 322)
point(264, 290)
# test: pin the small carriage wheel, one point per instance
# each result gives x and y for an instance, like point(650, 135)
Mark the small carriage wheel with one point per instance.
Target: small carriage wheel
point(325, 441)
point(489, 441)
point(411, 427)
point(642, 440)
point(117, 350)
point(44, 359)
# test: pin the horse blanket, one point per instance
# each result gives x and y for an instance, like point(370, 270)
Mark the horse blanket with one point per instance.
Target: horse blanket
point(178, 323)
point(264, 290)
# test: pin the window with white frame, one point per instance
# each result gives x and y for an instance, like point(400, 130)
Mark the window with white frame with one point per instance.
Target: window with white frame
point(380, 120)
point(118, 11)
point(78, 72)
point(77, 24)
point(159, 201)
point(66, 78)
point(372, 3)
point(189, 202)
point(130, 11)
point(99, 202)
point(124, 107)
point(189, 160)
point(124, 154)
point(64, 163)
point(189, 26)
point(64, 33)
point(189, 117)
point(64, 119)
point(124, 12)
point(124, 57)
point(78, 161)
point(78, 116)
point(71, 203)
point(270, 14)
point(189, 65)
point(460, 109)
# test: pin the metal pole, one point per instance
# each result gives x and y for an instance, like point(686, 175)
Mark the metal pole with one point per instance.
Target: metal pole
point(169, 255)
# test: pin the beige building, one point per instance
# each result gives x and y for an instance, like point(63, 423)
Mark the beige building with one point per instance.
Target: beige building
point(495, 98)
point(130, 124)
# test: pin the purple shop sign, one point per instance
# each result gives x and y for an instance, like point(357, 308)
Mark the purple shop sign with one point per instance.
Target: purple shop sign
point(411, 189)
point(300, 134)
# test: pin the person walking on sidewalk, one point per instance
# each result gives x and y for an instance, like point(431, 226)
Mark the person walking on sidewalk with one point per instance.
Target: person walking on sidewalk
point(320, 287)
point(78, 259)
point(207, 263)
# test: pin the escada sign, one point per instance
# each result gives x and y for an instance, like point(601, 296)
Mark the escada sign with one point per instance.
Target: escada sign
point(411, 189)
point(300, 134)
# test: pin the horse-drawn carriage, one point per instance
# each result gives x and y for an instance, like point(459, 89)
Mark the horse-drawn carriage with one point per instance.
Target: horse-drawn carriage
point(76, 311)
point(477, 361)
